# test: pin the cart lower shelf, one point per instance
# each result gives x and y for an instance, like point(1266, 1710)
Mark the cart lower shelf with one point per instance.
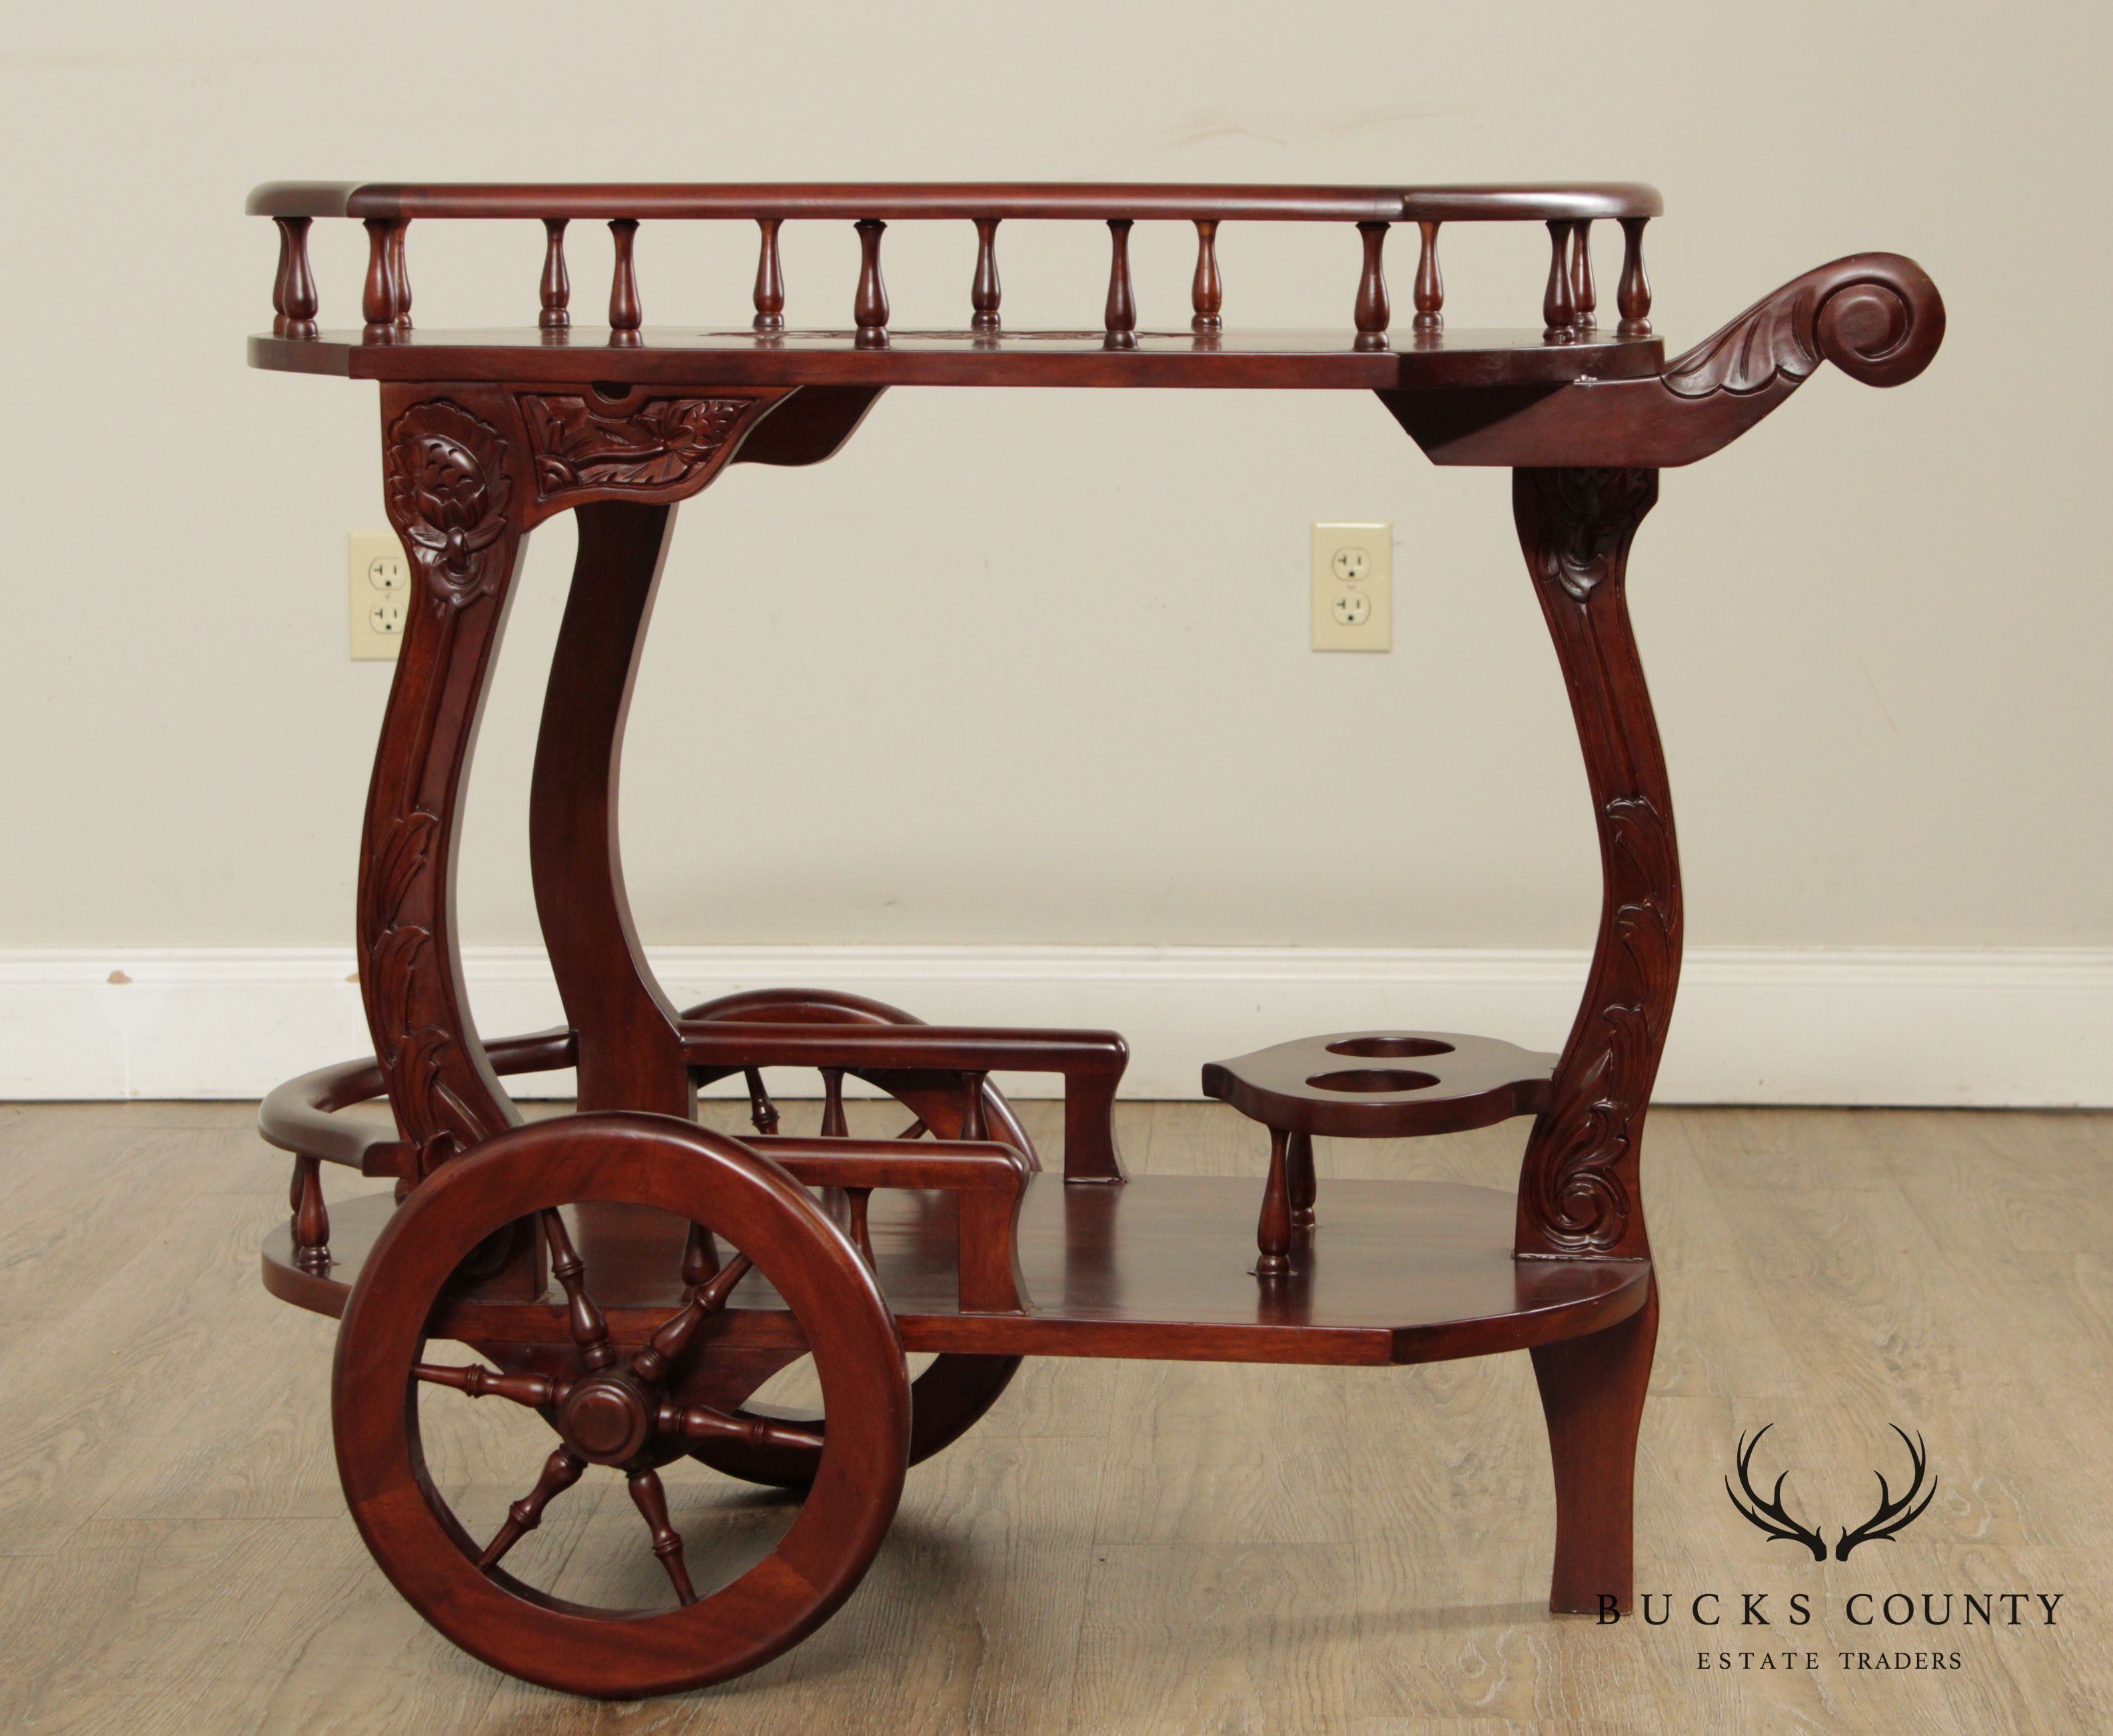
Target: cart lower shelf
point(1158, 1267)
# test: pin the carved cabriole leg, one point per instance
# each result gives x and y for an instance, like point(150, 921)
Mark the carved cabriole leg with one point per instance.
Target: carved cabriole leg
point(1592, 1395)
point(630, 1050)
point(454, 489)
point(1577, 1187)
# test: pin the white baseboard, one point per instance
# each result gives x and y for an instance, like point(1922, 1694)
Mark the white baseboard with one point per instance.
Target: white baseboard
point(1994, 1027)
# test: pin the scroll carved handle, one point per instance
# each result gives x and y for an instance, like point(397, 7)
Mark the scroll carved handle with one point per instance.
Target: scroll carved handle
point(1877, 316)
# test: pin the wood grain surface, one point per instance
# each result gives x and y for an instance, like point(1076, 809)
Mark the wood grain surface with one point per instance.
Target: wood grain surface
point(1121, 1548)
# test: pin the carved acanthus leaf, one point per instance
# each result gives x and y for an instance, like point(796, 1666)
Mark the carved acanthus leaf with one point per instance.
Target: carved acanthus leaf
point(663, 443)
point(1775, 339)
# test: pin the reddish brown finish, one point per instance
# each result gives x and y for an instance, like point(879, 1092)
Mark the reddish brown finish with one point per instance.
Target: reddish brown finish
point(1559, 305)
point(1877, 316)
point(621, 1318)
point(1383, 1085)
point(1373, 312)
point(1273, 1231)
point(625, 312)
point(1119, 316)
point(1633, 296)
point(1592, 1392)
point(1206, 292)
point(769, 295)
point(1082, 200)
point(1577, 1187)
point(985, 291)
point(1402, 1271)
point(1429, 282)
point(1584, 293)
point(613, 1413)
point(557, 285)
point(870, 308)
point(629, 1045)
point(294, 303)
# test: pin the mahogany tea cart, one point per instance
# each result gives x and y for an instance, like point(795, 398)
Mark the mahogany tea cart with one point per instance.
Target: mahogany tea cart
point(633, 1278)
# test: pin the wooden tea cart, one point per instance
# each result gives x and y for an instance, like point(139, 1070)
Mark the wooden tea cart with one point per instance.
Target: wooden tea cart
point(635, 1278)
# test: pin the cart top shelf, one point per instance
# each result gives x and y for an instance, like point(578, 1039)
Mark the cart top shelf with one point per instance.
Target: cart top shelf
point(872, 349)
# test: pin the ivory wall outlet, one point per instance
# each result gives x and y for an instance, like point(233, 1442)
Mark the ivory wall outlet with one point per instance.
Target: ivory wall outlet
point(378, 580)
point(1354, 587)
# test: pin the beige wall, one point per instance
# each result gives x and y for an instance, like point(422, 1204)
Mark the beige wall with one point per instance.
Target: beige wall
point(1032, 666)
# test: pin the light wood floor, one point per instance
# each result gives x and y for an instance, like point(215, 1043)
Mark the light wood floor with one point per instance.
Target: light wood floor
point(1139, 1546)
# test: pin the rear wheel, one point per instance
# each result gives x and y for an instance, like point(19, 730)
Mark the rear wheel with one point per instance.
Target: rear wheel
point(951, 1395)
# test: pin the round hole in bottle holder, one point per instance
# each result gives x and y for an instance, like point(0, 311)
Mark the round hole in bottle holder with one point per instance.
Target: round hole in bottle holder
point(1373, 1079)
point(1386, 1049)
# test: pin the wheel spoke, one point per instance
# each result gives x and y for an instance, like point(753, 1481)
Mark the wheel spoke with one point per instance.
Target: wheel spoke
point(590, 1330)
point(761, 1111)
point(915, 1130)
point(667, 1541)
point(700, 1256)
point(674, 1336)
point(535, 1390)
point(701, 1423)
point(561, 1470)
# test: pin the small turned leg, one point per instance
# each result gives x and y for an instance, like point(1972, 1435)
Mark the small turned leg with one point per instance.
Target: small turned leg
point(1299, 1182)
point(1592, 1394)
point(311, 1219)
point(1273, 1234)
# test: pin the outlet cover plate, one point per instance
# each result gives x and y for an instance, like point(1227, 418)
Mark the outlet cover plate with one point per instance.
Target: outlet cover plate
point(1352, 567)
point(377, 595)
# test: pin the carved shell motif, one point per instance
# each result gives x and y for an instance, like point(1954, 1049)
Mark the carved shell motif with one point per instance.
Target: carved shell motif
point(447, 489)
point(663, 443)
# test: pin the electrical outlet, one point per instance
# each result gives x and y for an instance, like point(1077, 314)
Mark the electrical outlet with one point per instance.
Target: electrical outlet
point(1354, 587)
point(378, 581)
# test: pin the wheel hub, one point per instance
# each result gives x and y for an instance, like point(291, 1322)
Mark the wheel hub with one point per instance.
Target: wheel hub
point(606, 1419)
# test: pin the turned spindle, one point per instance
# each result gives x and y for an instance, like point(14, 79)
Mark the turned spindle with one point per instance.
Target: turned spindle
point(762, 1112)
point(973, 1125)
point(1584, 296)
point(983, 293)
point(1300, 1187)
point(311, 1218)
point(1633, 296)
point(1118, 319)
point(861, 1235)
point(1430, 283)
point(1374, 314)
point(378, 298)
point(1206, 294)
point(625, 314)
point(769, 280)
point(400, 276)
point(294, 301)
point(557, 287)
point(1273, 1233)
point(834, 1127)
point(1559, 312)
point(869, 309)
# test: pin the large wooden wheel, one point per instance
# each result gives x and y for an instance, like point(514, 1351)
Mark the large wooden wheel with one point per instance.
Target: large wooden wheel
point(951, 1395)
point(616, 1404)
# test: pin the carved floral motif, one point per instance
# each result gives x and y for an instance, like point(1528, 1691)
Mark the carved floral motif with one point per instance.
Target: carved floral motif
point(447, 488)
point(663, 443)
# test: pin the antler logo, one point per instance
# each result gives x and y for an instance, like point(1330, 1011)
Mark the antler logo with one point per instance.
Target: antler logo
point(1767, 1512)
